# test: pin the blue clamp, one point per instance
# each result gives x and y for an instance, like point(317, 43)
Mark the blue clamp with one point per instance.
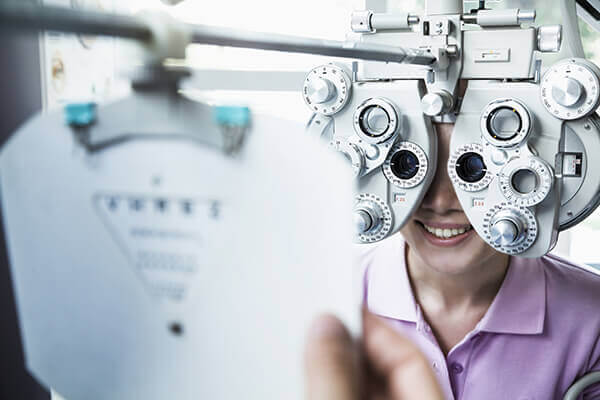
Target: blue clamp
point(232, 115)
point(80, 114)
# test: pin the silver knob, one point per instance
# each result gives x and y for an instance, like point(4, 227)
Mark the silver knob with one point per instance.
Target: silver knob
point(352, 152)
point(367, 217)
point(507, 228)
point(376, 120)
point(321, 91)
point(526, 16)
point(549, 38)
point(505, 123)
point(436, 103)
point(504, 232)
point(566, 91)
point(362, 221)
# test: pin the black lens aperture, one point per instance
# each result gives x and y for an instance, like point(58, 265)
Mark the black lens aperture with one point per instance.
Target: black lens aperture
point(470, 167)
point(404, 164)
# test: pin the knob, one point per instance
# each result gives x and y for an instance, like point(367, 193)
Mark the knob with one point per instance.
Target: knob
point(549, 38)
point(510, 229)
point(504, 232)
point(321, 90)
point(367, 217)
point(526, 16)
point(362, 221)
point(507, 228)
point(436, 103)
point(569, 89)
point(376, 120)
point(326, 89)
point(352, 152)
point(566, 91)
point(372, 218)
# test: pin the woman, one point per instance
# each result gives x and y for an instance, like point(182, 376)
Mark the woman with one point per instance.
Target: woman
point(492, 326)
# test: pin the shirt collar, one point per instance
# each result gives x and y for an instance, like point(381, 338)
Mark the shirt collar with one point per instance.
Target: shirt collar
point(518, 308)
point(520, 305)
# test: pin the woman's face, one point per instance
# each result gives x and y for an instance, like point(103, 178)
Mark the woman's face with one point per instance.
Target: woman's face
point(439, 232)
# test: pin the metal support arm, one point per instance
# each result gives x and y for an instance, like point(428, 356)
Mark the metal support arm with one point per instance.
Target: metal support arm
point(16, 15)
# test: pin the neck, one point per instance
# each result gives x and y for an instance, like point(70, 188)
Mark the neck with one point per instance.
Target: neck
point(475, 287)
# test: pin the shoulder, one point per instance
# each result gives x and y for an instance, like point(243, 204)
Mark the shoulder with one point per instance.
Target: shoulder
point(572, 298)
point(570, 282)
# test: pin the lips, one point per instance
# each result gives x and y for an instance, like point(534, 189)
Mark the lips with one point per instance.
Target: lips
point(445, 234)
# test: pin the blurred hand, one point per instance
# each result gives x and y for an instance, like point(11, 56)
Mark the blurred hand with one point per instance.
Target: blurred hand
point(385, 366)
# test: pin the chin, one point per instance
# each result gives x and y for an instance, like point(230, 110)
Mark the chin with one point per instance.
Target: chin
point(448, 247)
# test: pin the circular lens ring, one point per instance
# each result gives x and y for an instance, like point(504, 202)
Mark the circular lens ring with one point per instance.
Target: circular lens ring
point(422, 168)
point(515, 106)
point(384, 226)
point(404, 164)
point(364, 124)
point(529, 234)
point(493, 132)
point(544, 177)
point(468, 185)
point(359, 114)
point(469, 172)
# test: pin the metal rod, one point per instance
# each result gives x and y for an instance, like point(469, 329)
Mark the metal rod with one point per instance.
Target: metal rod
point(27, 16)
point(357, 50)
point(17, 15)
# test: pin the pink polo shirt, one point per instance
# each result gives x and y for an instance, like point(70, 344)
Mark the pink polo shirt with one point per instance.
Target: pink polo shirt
point(539, 335)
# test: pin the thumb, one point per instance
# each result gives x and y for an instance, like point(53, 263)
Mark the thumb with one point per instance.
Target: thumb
point(331, 362)
point(399, 362)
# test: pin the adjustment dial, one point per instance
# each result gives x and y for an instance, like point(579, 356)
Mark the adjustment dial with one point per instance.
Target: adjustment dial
point(467, 168)
point(326, 89)
point(406, 165)
point(372, 218)
point(506, 231)
point(352, 152)
point(436, 103)
point(510, 229)
point(569, 89)
point(526, 181)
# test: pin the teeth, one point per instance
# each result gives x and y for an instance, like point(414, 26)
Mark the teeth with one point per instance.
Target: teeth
point(446, 233)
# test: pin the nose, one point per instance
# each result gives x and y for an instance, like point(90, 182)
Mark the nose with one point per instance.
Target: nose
point(441, 198)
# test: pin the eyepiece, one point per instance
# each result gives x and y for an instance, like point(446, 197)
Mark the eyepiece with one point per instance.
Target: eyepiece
point(470, 167)
point(404, 164)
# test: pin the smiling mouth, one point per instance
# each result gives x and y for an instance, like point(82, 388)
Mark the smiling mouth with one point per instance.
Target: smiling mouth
point(445, 233)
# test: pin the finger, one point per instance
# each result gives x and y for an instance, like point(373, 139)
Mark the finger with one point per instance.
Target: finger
point(331, 362)
point(399, 362)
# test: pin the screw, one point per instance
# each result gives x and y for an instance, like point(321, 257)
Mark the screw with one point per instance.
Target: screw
point(176, 328)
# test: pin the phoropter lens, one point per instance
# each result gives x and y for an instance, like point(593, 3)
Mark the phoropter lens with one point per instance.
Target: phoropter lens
point(504, 123)
point(404, 164)
point(374, 121)
point(470, 167)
